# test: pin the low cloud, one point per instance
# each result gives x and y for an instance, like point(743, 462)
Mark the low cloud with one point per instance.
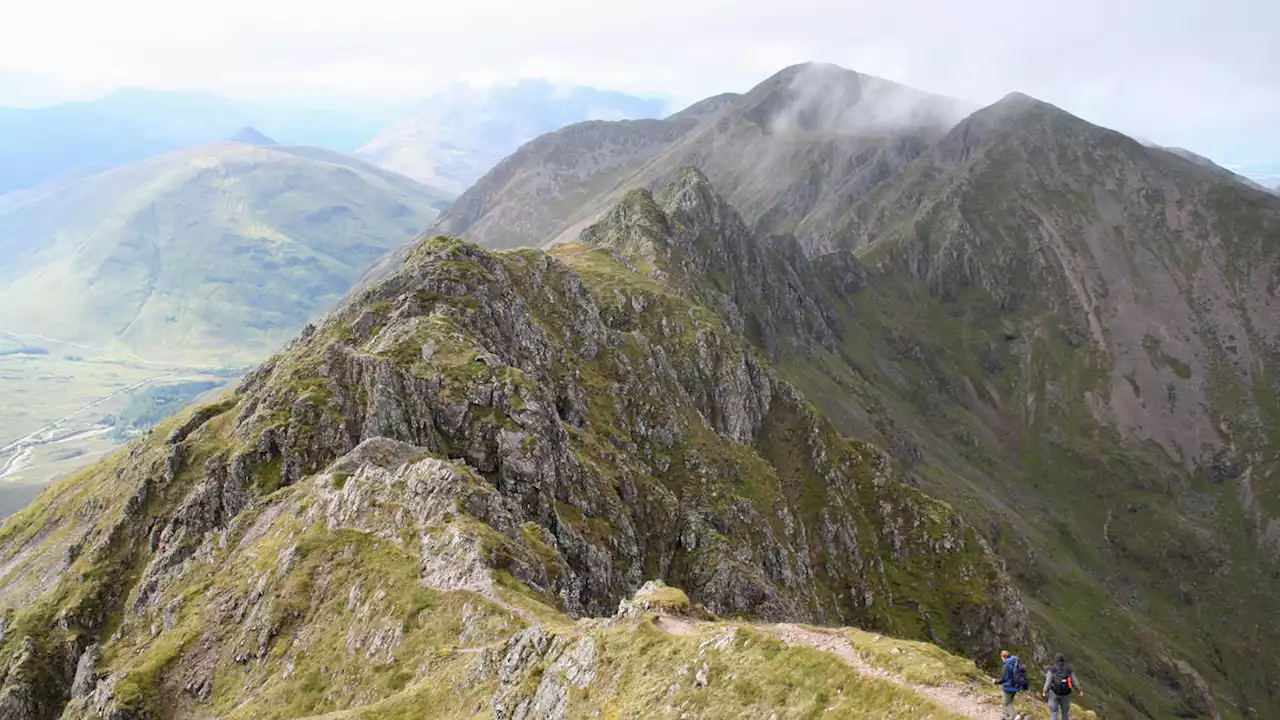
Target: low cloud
point(824, 98)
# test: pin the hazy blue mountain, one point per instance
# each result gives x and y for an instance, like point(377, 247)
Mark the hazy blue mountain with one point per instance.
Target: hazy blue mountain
point(38, 145)
point(458, 135)
point(252, 136)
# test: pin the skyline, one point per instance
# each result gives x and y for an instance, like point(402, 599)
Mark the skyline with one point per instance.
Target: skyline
point(1177, 73)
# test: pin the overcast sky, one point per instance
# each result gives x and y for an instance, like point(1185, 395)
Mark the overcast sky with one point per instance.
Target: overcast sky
point(1204, 74)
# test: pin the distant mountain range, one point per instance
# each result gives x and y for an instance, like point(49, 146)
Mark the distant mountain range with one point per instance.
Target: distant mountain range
point(131, 228)
point(252, 136)
point(451, 139)
point(213, 254)
point(458, 135)
point(38, 145)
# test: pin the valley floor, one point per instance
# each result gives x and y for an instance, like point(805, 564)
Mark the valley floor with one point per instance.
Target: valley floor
point(58, 405)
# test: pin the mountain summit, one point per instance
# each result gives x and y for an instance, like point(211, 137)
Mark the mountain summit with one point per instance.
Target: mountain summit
point(251, 136)
point(790, 153)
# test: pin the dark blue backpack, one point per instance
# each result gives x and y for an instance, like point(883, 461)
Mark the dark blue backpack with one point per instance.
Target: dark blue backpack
point(1020, 676)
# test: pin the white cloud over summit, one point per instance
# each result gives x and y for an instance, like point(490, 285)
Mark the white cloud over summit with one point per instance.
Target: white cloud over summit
point(1199, 74)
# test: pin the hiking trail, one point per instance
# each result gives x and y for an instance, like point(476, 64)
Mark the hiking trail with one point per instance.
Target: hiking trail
point(958, 699)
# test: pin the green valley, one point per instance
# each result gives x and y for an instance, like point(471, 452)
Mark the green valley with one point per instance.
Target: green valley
point(66, 406)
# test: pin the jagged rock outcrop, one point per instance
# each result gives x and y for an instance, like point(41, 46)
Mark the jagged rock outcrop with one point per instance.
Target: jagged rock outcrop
point(567, 665)
point(522, 331)
point(765, 291)
point(653, 596)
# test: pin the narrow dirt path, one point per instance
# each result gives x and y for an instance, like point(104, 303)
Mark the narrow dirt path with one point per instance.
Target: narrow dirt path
point(676, 625)
point(957, 699)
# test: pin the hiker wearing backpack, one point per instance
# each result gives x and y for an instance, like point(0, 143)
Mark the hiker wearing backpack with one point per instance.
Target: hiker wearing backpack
point(1013, 679)
point(1059, 684)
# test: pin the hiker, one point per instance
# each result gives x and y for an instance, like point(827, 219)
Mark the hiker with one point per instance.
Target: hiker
point(1059, 683)
point(1013, 679)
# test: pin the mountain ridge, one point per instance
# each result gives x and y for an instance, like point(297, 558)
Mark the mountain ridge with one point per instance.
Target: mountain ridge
point(1121, 293)
point(1047, 308)
point(1211, 165)
point(551, 430)
point(807, 126)
point(1063, 342)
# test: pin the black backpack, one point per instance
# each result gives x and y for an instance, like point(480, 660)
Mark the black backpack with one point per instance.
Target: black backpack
point(1061, 685)
point(1020, 676)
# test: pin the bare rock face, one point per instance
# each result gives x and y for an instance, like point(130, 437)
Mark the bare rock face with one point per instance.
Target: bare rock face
point(86, 679)
point(1195, 691)
point(567, 665)
point(24, 696)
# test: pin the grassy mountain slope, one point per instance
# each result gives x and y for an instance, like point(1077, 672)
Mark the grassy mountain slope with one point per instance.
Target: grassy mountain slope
point(1072, 338)
point(458, 135)
point(789, 153)
point(422, 486)
point(212, 255)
